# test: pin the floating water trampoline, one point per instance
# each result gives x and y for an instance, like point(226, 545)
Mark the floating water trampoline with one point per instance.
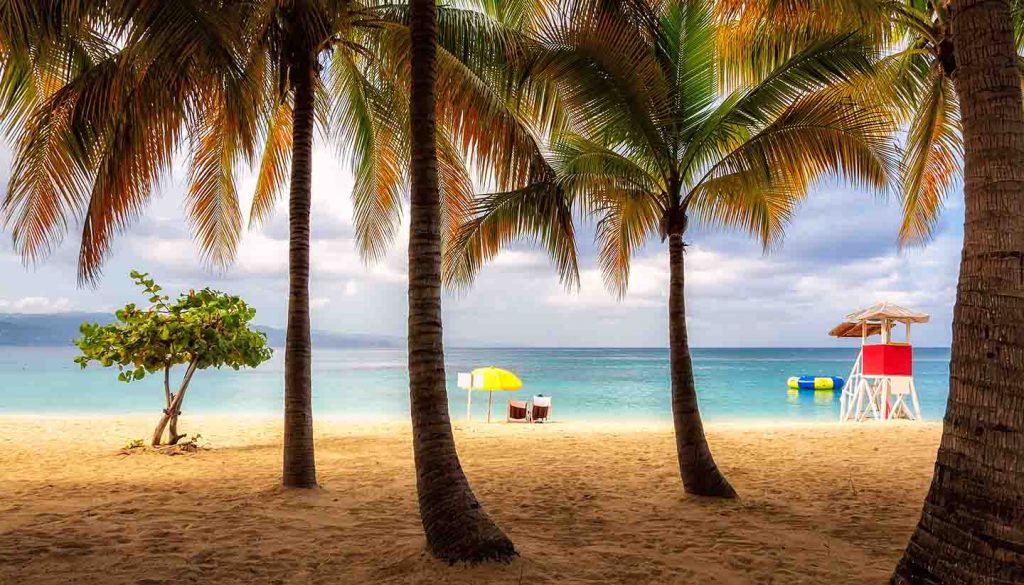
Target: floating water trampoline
point(815, 383)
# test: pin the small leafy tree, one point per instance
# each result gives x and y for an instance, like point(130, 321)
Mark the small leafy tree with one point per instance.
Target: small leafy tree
point(201, 329)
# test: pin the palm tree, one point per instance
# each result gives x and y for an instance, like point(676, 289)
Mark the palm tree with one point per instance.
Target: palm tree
point(98, 113)
point(186, 71)
point(457, 527)
point(948, 56)
point(651, 144)
point(972, 525)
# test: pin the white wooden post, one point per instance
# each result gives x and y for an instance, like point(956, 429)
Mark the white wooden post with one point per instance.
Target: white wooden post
point(490, 399)
point(849, 392)
point(883, 399)
point(913, 396)
point(465, 381)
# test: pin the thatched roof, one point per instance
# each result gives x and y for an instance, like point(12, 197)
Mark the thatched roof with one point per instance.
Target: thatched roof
point(852, 326)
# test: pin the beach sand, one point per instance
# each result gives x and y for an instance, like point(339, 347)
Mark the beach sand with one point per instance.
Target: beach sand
point(584, 503)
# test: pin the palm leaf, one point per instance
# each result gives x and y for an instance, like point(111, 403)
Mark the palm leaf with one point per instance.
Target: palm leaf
point(823, 133)
point(627, 219)
point(274, 164)
point(212, 200)
point(931, 160)
point(752, 201)
point(540, 212)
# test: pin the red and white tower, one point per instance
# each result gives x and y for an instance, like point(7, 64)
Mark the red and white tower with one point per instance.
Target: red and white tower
point(881, 383)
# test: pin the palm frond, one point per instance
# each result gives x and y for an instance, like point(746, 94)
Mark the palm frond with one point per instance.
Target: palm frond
point(748, 200)
point(931, 160)
point(49, 181)
point(131, 158)
point(275, 164)
point(822, 134)
point(621, 95)
point(369, 119)
point(829, 63)
point(584, 165)
point(627, 219)
point(756, 37)
point(212, 200)
point(456, 186)
point(540, 212)
point(690, 32)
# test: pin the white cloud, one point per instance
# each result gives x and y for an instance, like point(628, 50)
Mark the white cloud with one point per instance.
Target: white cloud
point(36, 305)
point(839, 255)
point(519, 259)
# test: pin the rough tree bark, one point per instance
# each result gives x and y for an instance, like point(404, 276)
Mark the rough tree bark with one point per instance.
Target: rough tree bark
point(299, 464)
point(697, 467)
point(972, 526)
point(456, 526)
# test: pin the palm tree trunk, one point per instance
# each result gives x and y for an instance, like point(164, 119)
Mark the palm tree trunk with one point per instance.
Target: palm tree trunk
point(697, 467)
point(972, 526)
point(457, 527)
point(299, 464)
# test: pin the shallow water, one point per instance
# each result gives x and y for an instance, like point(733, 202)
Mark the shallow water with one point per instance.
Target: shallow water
point(586, 384)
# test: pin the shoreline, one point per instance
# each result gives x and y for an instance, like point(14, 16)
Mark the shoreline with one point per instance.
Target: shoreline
point(752, 421)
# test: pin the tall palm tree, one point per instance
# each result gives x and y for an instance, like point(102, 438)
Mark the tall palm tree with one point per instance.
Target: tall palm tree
point(457, 527)
point(99, 111)
point(948, 56)
point(205, 73)
point(651, 144)
point(972, 526)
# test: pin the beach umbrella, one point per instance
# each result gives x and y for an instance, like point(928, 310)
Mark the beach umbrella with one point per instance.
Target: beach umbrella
point(490, 380)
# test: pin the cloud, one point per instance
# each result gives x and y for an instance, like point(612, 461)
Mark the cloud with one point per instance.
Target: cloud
point(36, 305)
point(839, 254)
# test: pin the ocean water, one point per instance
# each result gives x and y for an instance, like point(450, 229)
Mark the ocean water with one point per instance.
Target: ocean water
point(586, 384)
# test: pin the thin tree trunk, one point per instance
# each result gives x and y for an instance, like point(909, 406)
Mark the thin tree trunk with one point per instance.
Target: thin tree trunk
point(299, 464)
point(173, 406)
point(457, 527)
point(972, 526)
point(158, 433)
point(697, 467)
point(172, 429)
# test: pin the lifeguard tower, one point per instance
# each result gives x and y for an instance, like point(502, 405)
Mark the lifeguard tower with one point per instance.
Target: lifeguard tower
point(882, 379)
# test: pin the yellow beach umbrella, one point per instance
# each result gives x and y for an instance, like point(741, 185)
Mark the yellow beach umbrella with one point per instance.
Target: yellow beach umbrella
point(490, 380)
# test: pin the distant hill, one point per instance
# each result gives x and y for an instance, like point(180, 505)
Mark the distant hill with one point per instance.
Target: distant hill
point(327, 339)
point(50, 330)
point(59, 329)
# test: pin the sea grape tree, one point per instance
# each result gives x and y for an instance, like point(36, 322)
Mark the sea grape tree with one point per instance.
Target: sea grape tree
point(199, 330)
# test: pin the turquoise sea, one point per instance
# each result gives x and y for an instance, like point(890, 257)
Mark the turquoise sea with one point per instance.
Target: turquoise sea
point(586, 384)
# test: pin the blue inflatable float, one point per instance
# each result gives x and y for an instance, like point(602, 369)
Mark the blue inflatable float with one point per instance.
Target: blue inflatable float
point(815, 383)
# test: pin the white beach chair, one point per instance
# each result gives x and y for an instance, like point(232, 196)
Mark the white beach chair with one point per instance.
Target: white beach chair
point(541, 409)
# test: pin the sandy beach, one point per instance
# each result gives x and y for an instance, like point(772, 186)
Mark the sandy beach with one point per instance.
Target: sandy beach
point(584, 503)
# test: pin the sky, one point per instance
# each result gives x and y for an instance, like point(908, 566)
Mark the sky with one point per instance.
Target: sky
point(840, 254)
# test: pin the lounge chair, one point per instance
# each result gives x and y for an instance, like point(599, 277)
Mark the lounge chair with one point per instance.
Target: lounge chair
point(517, 411)
point(541, 410)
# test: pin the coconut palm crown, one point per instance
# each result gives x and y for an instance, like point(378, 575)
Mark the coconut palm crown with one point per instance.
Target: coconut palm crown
point(913, 79)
